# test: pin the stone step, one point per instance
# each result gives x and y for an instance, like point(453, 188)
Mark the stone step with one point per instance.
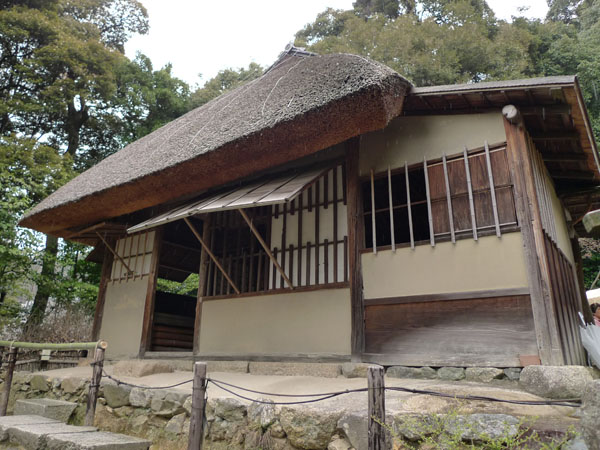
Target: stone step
point(46, 407)
point(36, 432)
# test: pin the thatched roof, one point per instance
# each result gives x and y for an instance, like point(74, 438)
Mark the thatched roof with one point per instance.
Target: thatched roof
point(299, 106)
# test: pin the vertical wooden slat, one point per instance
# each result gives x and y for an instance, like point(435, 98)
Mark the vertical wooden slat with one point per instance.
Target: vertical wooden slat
point(448, 199)
point(299, 217)
point(308, 263)
point(202, 283)
point(326, 190)
point(408, 205)
point(373, 228)
point(492, 188)
point(291, 263)
point(310, 198)
point(470, 190)
point(345, 258)
point(391, 206)
point(355, 243)
point(344, 185)
point(335, 224)
point(326, 261)
point(252, 256)
point(283, 242)
point(273, 270)
point(151, 294)
point(259, 271)
point(428, 195)
point(132, 272)
point(137, 254)
point(317, 237)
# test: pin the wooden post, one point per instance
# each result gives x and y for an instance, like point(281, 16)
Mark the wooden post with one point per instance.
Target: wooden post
point(528, 215)
point(92, 397)
point(12, 359)
point(148, 319)
point(197, 416)
point(355, 243)
point(376, 431)
point(202, 282)
point(107, 265)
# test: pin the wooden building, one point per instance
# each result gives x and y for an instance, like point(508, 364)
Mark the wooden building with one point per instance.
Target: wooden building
point(333, 211)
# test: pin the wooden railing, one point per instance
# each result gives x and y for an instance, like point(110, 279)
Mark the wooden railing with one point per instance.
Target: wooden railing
point(97, 365)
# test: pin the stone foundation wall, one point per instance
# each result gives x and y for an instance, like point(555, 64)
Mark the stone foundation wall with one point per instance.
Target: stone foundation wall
point(163, 415)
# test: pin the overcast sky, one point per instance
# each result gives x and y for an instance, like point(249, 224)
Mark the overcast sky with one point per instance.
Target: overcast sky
point(203, 37)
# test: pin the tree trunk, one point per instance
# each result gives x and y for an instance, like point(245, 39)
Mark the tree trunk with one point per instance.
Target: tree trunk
point(2, 297)
point(40, 302)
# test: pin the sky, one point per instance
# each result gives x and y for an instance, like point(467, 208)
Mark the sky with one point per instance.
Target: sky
point(200, 37)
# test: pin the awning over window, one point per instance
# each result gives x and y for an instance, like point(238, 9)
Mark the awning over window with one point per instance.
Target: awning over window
point(271, 191)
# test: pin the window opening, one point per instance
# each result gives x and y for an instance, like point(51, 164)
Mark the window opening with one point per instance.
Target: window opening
point(462, 195)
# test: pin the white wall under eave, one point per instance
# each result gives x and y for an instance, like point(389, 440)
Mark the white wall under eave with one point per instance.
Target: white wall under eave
point(410, 138)
point(468, 265)
point(313, 322)
point(123, 317)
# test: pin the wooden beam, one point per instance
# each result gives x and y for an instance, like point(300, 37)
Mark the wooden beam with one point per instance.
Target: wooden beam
point(355, 243)
point(449, 199)
point(470, 190)
point(556, 136)
point(373, 220)
point(492, 189)
point(408, 206)
point(266, 248)
point(202, 282)
point(151, 293)
point(121, 260)
point(528, 214)
point(454, 296)
point(104, 279)
point(571, 175)
point(428, 195)
point(564, 157)
point(211, 254)
point(545, 110)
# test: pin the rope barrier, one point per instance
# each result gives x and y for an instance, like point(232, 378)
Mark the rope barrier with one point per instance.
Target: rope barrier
point(227, 387)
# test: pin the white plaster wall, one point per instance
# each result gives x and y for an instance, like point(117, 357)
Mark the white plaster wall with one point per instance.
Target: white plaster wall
point(315, 322)
point(468, 265)
point(411, 138)
point(123, 317)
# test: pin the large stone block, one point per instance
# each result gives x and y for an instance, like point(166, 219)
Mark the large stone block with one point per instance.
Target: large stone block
point(411, 372)
point(99, 440)
point(324, 370)
point(451, 373)
point(560, 382)
point(590, 415)
point(72, 385)
point(116, 396)
point(483, 374)
point(35, 436)
point(309, 428)
point(141, 368)
point(39, 383)
point(7, 422)
point(45, 407)
point(355, 370)
point(227, 366)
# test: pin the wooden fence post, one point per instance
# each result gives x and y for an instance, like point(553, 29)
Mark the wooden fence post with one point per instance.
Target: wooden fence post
point(197, 416)
point(12, 359)
point(376, 431)
point(95, 383)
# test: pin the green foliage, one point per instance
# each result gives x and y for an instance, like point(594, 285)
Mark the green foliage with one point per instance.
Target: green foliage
point(224, 81)
point(189, 286)
point(446, 431)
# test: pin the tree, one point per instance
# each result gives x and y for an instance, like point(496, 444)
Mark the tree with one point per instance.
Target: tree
point(57, 75)
point(224, 81)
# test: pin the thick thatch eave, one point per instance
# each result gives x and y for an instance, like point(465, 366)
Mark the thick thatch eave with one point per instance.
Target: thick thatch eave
point(300, 106)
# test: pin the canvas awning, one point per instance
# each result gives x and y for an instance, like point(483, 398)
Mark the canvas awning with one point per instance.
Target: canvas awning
point(272, 191)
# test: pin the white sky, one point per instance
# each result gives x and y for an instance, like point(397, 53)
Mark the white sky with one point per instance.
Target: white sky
point(203, 37)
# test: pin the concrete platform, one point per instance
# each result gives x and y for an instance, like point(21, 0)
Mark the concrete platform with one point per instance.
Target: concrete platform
point(46, 407)
point(36, 432)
